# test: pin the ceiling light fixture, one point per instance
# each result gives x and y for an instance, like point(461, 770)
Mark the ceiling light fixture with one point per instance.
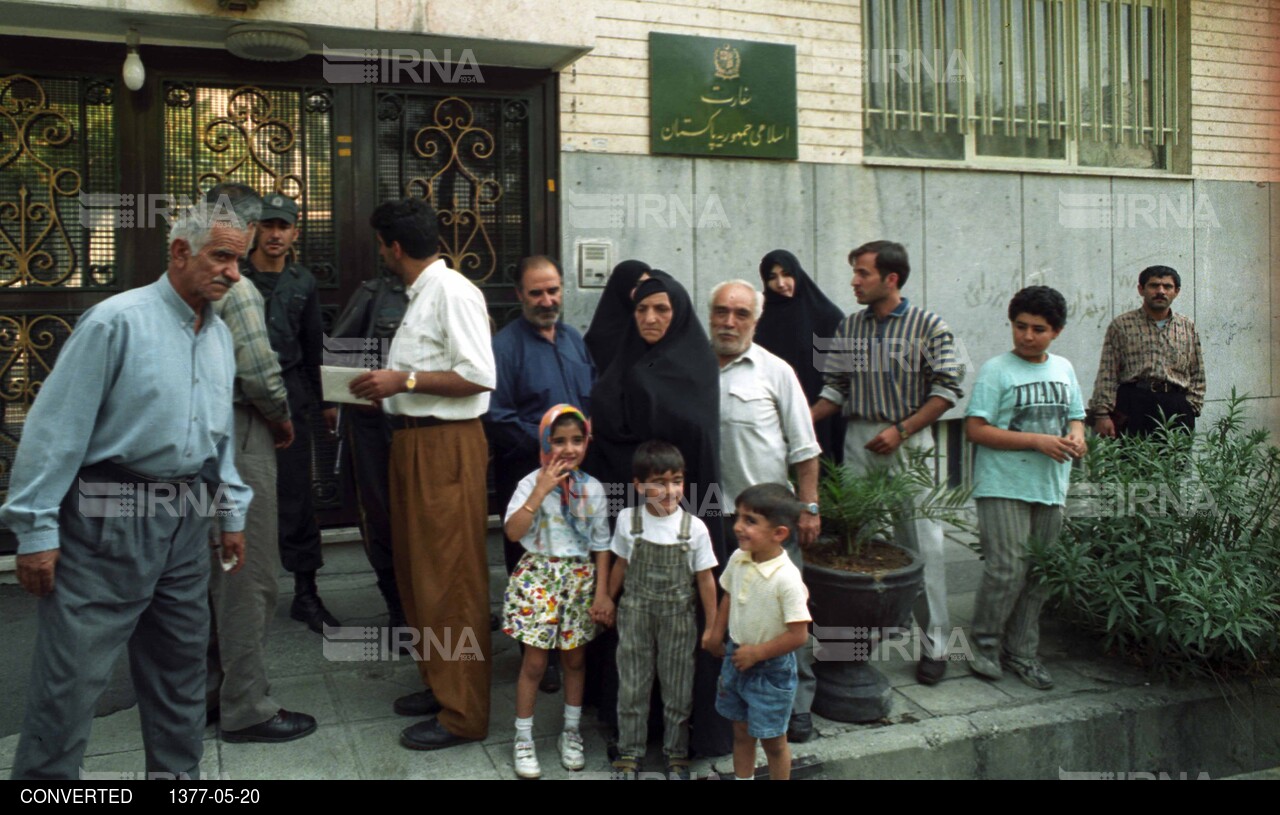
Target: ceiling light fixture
point(267, 43)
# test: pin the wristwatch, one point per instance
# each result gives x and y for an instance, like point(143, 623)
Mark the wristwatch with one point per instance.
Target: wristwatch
point(811, 508)
point(410, 383)
point(902, 430)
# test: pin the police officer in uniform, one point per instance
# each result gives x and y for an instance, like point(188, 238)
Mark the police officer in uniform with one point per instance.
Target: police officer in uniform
point(293, 322)
point(372, 314)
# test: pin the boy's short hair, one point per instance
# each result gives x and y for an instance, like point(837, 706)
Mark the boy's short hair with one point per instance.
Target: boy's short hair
point(775, 502)
point(1040, 301)
point(655, 457)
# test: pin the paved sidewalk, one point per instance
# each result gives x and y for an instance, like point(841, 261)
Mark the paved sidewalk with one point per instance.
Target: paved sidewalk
point(358, 735)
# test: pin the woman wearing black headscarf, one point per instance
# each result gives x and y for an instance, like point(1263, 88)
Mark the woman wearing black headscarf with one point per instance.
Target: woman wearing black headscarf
point(614, 313)
point(795, 310)
point(663, 386)
point(663, 383)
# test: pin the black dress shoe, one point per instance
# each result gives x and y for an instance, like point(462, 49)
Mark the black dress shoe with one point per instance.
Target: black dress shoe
point(308, 609)
point(430, 735)
point(800, 729)
point(550, 679)
point(422, 703)
point(284, 726)
point(930, 671)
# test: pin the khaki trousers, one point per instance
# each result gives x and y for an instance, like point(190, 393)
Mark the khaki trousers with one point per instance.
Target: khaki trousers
point(438, 517)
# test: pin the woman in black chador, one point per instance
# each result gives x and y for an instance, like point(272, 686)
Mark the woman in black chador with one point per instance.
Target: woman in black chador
point(795, 311)
point(664, 384)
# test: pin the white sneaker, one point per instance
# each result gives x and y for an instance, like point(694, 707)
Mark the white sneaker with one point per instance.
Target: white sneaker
point(526, 757)
point(571, 750)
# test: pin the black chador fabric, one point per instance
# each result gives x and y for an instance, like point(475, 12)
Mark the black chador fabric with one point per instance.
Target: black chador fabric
point(788, 327)
point(614, 314)
point(669, 390)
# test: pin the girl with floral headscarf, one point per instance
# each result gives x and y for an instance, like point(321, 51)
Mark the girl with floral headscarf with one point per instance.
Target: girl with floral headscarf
point(557, 595)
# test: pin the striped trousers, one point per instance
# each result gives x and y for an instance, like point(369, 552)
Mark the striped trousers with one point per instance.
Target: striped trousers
point(1007, 608)
point(643, 634)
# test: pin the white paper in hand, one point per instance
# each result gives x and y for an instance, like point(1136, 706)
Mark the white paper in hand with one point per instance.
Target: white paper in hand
point(336, 382)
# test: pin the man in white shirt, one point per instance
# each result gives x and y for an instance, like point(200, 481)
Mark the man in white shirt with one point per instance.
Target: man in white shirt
point(765, 428)
point(440, 372)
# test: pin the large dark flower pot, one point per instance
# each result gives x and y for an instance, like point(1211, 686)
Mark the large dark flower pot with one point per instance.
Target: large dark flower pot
point(848, 608)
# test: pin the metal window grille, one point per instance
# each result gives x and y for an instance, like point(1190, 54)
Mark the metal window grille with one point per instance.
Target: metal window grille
point(275, 139)
point(1104, 70)
point(59, 185)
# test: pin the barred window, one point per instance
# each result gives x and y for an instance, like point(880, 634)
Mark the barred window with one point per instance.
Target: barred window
point(1088, 83)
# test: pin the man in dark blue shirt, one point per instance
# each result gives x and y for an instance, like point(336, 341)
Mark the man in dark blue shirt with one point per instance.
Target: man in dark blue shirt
point(541, 362)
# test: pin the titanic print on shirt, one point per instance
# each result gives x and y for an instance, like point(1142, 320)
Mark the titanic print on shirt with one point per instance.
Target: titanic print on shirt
point(1041, 407)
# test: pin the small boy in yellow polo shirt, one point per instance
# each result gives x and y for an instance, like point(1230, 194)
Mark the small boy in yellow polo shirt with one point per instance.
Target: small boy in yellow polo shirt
point(765, 610)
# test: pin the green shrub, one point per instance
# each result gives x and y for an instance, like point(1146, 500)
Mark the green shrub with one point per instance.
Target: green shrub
point(1172, 548)
point(861, 506)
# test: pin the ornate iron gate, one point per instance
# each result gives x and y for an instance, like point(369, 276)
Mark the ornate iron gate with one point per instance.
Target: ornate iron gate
point(78, 154)
point(57, 142)
point(469, 158)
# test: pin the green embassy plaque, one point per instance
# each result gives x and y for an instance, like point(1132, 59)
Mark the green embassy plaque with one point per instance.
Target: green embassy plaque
point(717, 97)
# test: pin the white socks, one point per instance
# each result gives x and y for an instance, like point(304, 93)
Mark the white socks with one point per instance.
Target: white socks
point(524, 729)
point(572, 717)
point(572, 721)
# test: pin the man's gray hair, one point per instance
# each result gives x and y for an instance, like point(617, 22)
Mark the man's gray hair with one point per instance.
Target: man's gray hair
point(195, 223)
point(757, 297)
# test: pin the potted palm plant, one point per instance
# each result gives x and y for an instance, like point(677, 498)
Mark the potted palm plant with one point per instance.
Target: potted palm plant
point(860, 582)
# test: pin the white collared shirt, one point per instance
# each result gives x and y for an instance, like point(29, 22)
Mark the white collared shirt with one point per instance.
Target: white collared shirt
point(763, 597)
point(765, 424)
point(445, 328)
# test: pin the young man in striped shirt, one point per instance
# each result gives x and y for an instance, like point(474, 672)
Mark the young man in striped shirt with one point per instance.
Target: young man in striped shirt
point(892, 370)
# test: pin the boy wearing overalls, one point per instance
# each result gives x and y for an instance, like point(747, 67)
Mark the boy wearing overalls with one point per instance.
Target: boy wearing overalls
point(662, 550)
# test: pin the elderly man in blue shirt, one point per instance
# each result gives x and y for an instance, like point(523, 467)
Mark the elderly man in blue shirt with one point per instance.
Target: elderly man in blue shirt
point(541, 362)
point(126, 455)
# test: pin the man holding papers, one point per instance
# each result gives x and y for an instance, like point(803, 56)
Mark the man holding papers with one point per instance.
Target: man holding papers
point(441, 370)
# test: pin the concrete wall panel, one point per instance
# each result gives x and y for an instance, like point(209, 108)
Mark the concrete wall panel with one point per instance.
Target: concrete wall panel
point(973, 260)
point(1232, 287)
point(638, 205)
point(1073, 255)
point(748, 209)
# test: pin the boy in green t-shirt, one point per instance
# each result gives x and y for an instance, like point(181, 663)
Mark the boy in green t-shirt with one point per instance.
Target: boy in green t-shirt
point(1027, 418)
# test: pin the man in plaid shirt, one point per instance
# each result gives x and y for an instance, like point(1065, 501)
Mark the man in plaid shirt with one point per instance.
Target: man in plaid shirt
point(1151, 364)
point(244, 603)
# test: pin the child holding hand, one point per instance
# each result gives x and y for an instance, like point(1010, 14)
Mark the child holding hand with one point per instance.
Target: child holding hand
point(556, 594)
point(765, 611)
